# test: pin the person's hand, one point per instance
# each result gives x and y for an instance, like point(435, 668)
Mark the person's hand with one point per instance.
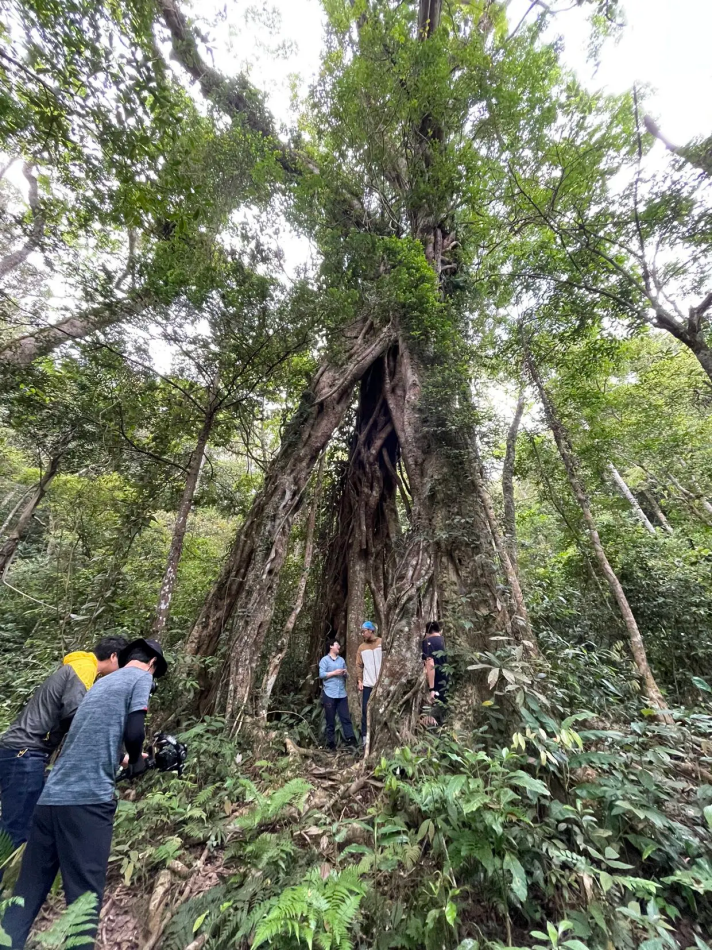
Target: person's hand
point(342, 672)
point(360, 686)
point(139, 766)
point(125, 760)
point(433, 695)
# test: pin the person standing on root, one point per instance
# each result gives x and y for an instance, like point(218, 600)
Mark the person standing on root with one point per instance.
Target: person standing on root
point(332, 673)
point(435, 662)
point(74, 818)
point(368, 663)
point(26, 746)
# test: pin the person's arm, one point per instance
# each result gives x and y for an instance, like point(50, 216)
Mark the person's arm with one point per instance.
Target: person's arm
point(135, 726)
point(359, 666)
point(134, 736)
point(429, 665)
point(72, 695)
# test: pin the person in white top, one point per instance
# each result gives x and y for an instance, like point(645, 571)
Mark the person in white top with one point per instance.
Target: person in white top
point(368, 663)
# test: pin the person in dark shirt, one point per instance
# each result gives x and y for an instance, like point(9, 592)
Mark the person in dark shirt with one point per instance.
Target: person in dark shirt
point(74, 819)
point(25, 747)
point(435, 666)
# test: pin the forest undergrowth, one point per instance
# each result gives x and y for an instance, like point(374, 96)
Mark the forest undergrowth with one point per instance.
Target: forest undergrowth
point(566, 830)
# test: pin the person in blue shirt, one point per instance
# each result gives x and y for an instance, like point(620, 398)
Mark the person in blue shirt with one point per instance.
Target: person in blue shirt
point(332, 673)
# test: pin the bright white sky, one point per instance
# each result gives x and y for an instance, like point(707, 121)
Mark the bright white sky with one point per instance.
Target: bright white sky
point(665, 45)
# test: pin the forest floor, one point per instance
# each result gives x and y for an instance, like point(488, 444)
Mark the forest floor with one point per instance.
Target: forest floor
point(134, 917)
point(617, 842)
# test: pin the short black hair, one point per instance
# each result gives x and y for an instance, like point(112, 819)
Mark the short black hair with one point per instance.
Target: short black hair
point(142, 654)
point(432, 627)
point(331, 642)
point(107, 646)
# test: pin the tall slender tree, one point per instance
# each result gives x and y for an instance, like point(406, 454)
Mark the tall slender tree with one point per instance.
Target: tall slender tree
point(578, 489)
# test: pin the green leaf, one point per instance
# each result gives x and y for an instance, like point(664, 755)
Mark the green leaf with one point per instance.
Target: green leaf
point(451, 913)
point(606, 881)
point(527, 781)
point(519, 877)
point(199, 921)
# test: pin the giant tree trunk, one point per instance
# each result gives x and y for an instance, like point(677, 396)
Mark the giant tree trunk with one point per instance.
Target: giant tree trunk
point(630, 498)
point(447, 534)
point(8, 549)
point(179, 529)
point(510, 522)
point(563, 444)
point(369, 486)
point(243, 596)
point(280, 651)
point(329, 618)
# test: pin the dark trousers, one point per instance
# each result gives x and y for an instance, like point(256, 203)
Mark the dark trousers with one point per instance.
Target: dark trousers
point(366, 695)
point(331, 708)
point(73, 839)
point(21, 783)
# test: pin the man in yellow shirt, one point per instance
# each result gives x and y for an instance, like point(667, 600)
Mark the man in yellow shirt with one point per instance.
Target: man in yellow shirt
point(25, 747)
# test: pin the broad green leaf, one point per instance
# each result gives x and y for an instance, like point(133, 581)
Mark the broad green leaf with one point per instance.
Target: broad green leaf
point(519, 877)
point(199, 921)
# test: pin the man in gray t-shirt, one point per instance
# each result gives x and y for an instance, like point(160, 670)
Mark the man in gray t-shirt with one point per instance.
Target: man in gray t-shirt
point(73, 821)
point(86, 770)
point(25, 747)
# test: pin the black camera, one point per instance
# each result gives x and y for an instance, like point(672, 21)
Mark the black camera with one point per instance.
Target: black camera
point(165, 753)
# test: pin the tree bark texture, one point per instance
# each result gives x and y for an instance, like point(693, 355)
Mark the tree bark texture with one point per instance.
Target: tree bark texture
point(8, 549)
point(243, 596)
point(563, 444)
point(510, 523)
point(329, 619)
point(280, 651)
point(181, 523)
point(369, 486)
point(429, 14)
point(447, 533)
point(625, 491)
point(13, 511)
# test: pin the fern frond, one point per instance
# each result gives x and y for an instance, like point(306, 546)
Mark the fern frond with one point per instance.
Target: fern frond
point(76, 927)
point(6, 848)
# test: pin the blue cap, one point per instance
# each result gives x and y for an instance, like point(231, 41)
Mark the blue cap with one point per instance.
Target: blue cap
point(367, 625)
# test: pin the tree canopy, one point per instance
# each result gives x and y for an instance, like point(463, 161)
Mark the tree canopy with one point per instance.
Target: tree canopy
point(488, 404)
